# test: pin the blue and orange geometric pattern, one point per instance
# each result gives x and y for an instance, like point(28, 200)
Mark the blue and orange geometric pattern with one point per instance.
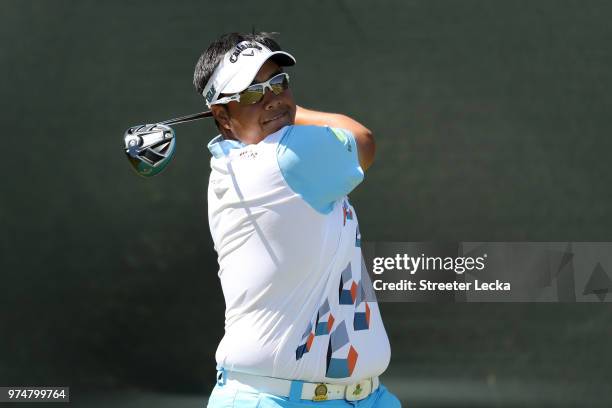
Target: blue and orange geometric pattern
point(325, 320)
point(347, 213)
point(361, 319)
point(347, 291)
point(322, 326)
point(341, 355)
point(307, 338)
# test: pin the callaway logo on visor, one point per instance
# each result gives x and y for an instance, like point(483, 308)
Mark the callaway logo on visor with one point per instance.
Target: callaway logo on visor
point(241, 47)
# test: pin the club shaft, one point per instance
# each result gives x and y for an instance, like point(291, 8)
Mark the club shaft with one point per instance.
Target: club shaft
point(187, 118)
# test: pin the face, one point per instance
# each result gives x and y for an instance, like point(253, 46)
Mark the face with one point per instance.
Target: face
point(252, 123)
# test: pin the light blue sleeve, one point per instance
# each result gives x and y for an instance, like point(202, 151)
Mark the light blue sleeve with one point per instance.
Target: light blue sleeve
point(319, 163)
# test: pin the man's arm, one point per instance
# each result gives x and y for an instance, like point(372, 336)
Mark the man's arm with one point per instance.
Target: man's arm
point(363, 135)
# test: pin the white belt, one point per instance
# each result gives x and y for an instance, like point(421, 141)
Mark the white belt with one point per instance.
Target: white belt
point(310, 391)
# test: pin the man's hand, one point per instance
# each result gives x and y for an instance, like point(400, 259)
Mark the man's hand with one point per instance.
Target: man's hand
point(363, 135)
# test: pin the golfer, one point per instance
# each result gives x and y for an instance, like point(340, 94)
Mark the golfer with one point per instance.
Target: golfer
point(302, 325)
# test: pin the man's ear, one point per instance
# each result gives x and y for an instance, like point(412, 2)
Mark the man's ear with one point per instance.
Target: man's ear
point(221, 115)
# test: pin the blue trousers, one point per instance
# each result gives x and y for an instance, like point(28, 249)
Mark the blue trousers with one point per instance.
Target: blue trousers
point(225, 396)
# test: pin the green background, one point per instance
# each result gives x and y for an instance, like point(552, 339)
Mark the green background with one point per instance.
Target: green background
point(491, 121)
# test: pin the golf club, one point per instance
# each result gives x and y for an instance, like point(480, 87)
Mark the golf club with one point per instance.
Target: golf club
point(150, 147)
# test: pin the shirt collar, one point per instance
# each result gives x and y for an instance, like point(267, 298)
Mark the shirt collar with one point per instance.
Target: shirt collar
point(220, 147)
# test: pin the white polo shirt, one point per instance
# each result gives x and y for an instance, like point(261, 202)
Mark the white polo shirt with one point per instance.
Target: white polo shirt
point(299, 303)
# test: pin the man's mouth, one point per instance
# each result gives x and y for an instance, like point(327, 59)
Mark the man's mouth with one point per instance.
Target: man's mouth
point(276, 117)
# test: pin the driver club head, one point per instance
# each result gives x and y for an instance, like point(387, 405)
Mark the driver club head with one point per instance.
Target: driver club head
point(149, 148)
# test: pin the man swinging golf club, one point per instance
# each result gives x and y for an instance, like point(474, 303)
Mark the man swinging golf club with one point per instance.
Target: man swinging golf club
point(301, 323)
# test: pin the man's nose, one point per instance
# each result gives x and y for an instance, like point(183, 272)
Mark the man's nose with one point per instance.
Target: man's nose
point(270, 100)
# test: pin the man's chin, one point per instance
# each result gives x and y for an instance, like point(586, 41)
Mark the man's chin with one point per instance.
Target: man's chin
point(277, 125)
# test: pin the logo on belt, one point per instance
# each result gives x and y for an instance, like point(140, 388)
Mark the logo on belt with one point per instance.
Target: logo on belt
point(358, 390)
point(320, 393)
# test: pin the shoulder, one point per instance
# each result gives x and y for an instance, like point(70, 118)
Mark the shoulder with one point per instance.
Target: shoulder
point(320, 163)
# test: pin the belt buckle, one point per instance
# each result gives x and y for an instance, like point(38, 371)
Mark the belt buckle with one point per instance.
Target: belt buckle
point(358, 390)
point(320, 392)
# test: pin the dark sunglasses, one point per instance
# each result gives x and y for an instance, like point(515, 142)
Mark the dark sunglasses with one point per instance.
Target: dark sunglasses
point(255, 93)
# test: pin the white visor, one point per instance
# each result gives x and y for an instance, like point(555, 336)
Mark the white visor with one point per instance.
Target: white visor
point(238, 68)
